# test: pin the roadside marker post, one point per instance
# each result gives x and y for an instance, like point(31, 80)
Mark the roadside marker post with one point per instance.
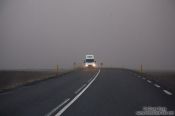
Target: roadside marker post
point(57, 69)
point(74, 65)
point(101, 64)
point(141, 68)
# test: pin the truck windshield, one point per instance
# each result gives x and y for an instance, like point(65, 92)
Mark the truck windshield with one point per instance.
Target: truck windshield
point(89, 60)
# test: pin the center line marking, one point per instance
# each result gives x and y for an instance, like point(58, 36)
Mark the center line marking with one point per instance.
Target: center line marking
point(77, 91)
point(76, 97)
point(55, 109)
point(167, 92)
point(156, 85)
point(90, 80)
point(148, 81)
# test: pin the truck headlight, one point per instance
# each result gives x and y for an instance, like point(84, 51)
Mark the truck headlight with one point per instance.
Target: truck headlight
point(86, 65)
point(94, 65)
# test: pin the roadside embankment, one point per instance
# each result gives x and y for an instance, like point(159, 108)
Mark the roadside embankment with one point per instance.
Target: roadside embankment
point(12, 79)
point(165, 78)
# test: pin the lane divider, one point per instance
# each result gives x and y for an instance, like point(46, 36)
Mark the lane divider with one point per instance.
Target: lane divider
point(76, 97)
point(55, 109)
point(167, 92)
point(77, 91)
point(149, 81)
point(156, 85)
point(90, 80)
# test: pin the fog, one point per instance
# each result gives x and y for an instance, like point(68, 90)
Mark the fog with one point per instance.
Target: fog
point(120, 33)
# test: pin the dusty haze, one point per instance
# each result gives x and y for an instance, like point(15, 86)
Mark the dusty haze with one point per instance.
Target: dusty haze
point(120, 33)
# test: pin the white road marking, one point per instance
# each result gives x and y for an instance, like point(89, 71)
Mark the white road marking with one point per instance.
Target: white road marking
point(149, 81)
point(90, 80)
point(156, 85)
point(55, 109)
point(77, 91)
point(76, 97)
point(143, 78)
point(138, 76)
point(167, 92)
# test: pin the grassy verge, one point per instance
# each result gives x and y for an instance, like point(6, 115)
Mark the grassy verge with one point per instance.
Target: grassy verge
point(165, 78)
point(12, 79)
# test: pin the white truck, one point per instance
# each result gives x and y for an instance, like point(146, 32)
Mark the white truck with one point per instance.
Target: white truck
point(90, 61)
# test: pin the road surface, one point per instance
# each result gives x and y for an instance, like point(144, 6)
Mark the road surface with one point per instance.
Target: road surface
point(100, 92)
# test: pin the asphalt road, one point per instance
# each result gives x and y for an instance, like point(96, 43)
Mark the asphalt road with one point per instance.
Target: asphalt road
point(100, 92)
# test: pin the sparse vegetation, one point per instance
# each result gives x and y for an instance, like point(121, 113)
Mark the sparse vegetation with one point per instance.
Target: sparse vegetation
point(165, 78)
point(12, 79)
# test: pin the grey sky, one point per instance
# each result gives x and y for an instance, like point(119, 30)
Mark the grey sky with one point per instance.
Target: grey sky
point(42, 33)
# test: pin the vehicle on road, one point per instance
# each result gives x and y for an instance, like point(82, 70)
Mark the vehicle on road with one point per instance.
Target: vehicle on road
point(90, 62)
